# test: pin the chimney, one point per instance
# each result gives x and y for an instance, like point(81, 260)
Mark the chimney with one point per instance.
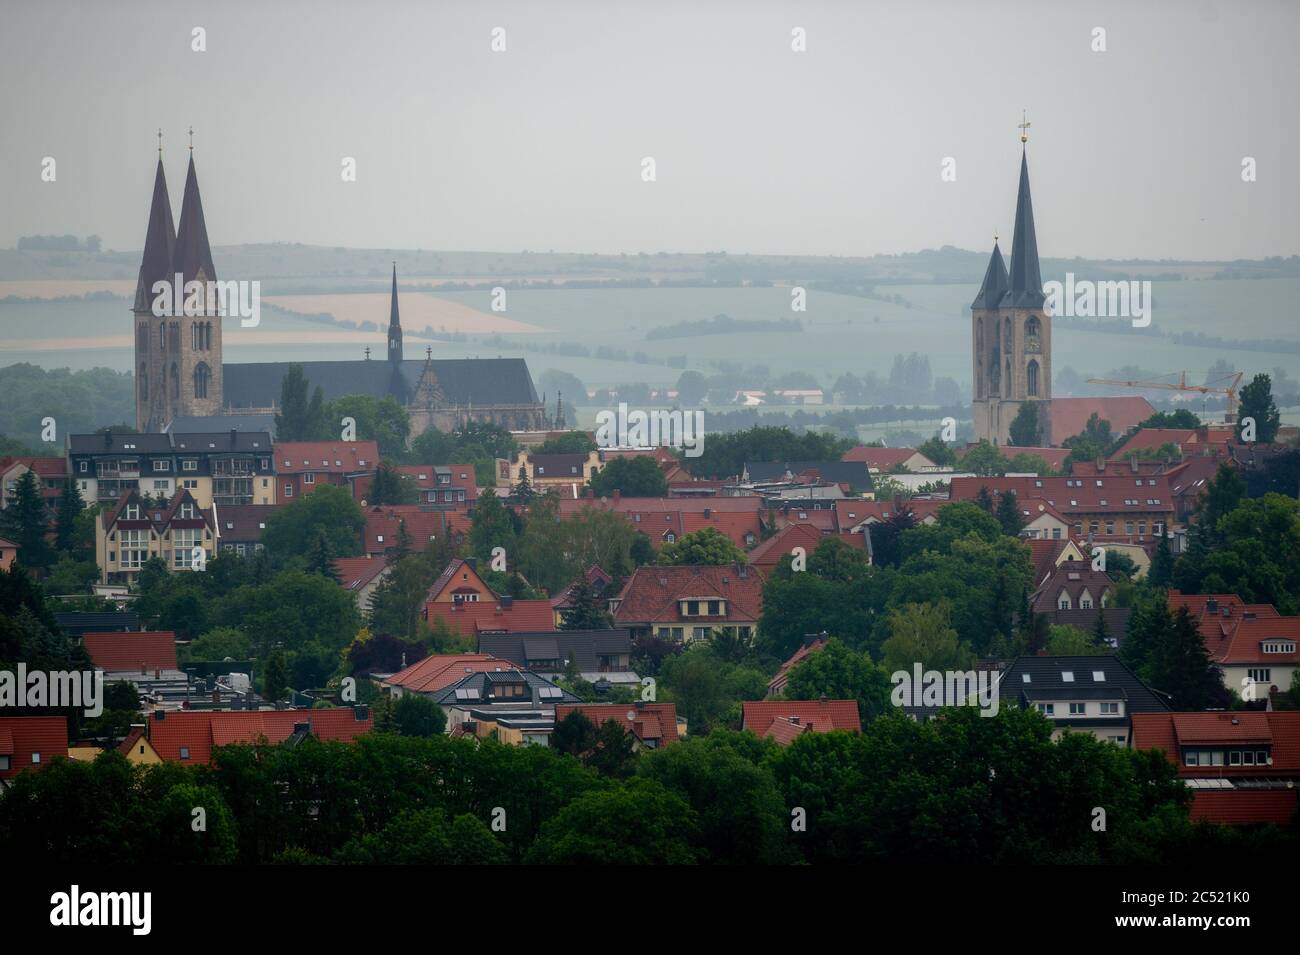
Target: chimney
point(157, 674)
point(216, 696)
point(1133, 463)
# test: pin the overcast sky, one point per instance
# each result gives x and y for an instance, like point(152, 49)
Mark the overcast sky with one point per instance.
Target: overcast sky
point(1134, 152)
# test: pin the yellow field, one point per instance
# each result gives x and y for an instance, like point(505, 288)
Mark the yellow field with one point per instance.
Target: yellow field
point(417, 312)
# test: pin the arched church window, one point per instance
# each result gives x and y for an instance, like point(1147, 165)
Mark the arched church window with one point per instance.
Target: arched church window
point(144, 382)
point(1010, 382)
point(201, 377)
point(176, 381)
point(1031, 378)
point(162, 336)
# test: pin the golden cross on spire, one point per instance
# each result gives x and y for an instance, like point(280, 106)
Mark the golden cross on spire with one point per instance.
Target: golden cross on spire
point(191, 139)
point(160, 142)
point(1023, 127)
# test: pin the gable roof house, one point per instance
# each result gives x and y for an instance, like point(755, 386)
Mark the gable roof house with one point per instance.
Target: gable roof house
point(652, 725)
point(30, 742)
point(1073, 585)
point(130, 532)
point(1091, 694)
point(1254, 648)
point(786, 720)
point(495, 615)
point(517, 706)
point(124, 655)
point(384, 523)
point(361, 577)
point(884, 460)
point(448, 485)
point(1242, 766)
point(776, 685)
point(241, 526)
point(599, 655)
point(300, 466)
point(189, 736)
point(687, 603)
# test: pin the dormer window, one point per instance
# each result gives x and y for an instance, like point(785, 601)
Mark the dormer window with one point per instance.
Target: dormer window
point(1278, 646)
point(132, 512)
point(1067, 676)
point(187, 511)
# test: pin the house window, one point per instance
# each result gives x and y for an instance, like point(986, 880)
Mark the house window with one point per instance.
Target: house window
point(4, 764)
point(1067, 676)
point(1098, 676)
point(1076, 709)
point(1110, 709)
point(36, 758)
point(1278, 646)
point(1260, 674)
point(187, 511)
point(309, 477)
point(1118, 740)
point(83, 466)
point(190, 464)
point(1047, 709)
point(671, 538)
point(161, 465)
point(185, 752)
point(288, 490)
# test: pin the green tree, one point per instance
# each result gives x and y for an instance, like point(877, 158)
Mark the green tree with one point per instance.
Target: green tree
point(493, 526)
point(921, 633)
point(291, 421)
point(570, 442)
point(586, 610)
point(707, 546)
point(1067, 641)
point(838, 672)
point(392, 487)
point(321, 559)
point(691, 388)
point(67, 532)
point(984, 460)
point(638, 476)
point(417, 715)
point(1093, 442)
point(1257, 404)
point(295, 528)
point(938, 451)
point(1008, 513)
point(1161, 572)
point(275, 681)
point(1026, 427)
point(25, 521)
point(639, 822)
point(382, 420)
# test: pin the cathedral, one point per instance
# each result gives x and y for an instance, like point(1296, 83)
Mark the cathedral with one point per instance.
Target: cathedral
point(1011, 332)
point(180, 372)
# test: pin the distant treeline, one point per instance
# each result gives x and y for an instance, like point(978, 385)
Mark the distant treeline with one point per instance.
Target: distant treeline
point(78, 401)
point(58, 243)
point(723, 325)
point(840, 422)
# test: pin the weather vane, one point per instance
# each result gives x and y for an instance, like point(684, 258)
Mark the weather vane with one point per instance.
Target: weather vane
point(1023, 127)
point(191, 139)
point(160, 142)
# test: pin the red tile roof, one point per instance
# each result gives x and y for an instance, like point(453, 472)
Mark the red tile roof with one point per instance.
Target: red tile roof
point(326, 457)
point(1073, 496)
point(821, 716)
point(441, 670)
point(1219, 617)
point(736, 517)
point(132, 651)
point(771, 552)
point(200, 731)
point(651, 593)
point(648, 722)
point(356, 572)
point(851, 514)
point(1169, 731)
point(778, 682)
point(383, 520)
point(884, 459)
point(1242, 807)
point(22, 736)
point(1069, 416)
point(472, 617)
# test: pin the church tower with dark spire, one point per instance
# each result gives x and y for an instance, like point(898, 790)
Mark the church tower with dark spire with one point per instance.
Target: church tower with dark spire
point(150, 332)
point(397, 384)
point(1011, 332)
point(194, 375)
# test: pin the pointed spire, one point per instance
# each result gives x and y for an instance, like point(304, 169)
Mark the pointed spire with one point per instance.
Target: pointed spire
point(1026, 289)
point(159, 241)
point(394, 328)
point(193, 254)
point(394, 320)
point(995, 281)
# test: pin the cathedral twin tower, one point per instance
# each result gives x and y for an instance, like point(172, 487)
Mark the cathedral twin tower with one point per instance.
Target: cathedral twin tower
point(1011, 332)
point(178, 363)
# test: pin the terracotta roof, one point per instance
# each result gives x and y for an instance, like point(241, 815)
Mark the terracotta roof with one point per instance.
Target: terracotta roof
point(595, 576)
point(474, 617)
point(821, 715)
point(1148, 438)
point(1116, 494)
point(132, 650)
point(128, 744)
point(1242, 807)
point(327, 457)
point(21, 736)
point(649, 722)
point(1069, 416)
point(851, 514)
point(383, 520)
point(1042, 554)
point(884, 459)
point(1218, 618)
point(736, 517)
point(356, 572)
point(1052, 457)
point(441, 670)
point(777, 683)
point(200, 731)
point(1279, 729)
point(425, 477)
point(770, 553)
point(651, 593)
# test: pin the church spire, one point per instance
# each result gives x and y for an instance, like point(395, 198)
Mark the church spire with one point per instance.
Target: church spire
point(394, 325)
point(193, 255)
point(159, 241)
point(1026, 289)
point(995, 281)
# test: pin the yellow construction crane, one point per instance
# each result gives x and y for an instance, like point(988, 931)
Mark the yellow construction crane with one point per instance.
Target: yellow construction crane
point(1230, 390)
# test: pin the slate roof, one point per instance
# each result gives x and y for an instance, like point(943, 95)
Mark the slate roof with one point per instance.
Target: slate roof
point(652, 723)
point(583, 647)
point(192, 254)
point(201, 730)
point(1025, 282)
point(1046, 682)
point(856, 474)
point(1073, 577)
point(207, 424)
point(132, 651)
point(996, 282)
point(216, 442)
point(159, 244)
point(480, 688)
point(77, 622)
point(244, 522)
point(464, 381)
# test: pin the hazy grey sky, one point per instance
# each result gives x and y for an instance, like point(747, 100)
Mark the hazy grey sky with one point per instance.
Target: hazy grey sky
point(1133, 152)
